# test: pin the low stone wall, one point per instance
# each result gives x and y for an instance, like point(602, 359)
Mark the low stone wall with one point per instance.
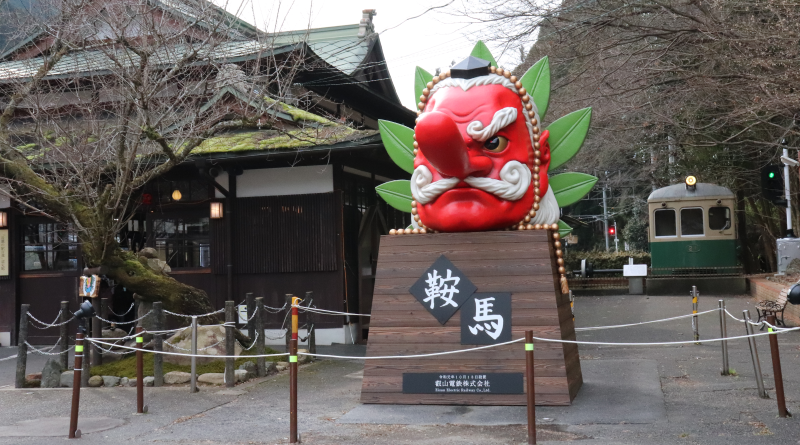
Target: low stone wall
point(763, 289)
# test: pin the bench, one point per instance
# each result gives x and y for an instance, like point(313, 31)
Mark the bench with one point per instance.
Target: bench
point(764, 308)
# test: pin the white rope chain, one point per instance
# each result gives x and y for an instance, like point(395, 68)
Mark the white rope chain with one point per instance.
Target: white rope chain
point(123, 322)
point(596, 328)
point(94, 340)
point(126, 313)
point(49, 325)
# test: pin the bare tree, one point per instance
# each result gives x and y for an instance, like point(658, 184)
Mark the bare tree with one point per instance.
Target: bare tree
point(108, 96)
point(678, 87)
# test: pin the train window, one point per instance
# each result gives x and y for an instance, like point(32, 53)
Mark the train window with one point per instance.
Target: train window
point(691, 221)
point(719, 218)
point(665, 222)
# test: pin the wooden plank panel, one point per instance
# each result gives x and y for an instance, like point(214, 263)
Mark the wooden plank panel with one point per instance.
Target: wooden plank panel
point(517, 262)
point(544, 368)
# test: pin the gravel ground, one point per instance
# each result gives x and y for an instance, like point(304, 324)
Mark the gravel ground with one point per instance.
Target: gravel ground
point(699, 405)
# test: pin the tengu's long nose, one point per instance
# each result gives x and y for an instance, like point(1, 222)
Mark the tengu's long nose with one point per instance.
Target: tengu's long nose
point(441, 142)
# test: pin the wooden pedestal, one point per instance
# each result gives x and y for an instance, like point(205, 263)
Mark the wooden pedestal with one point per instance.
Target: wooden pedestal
point(520, 262)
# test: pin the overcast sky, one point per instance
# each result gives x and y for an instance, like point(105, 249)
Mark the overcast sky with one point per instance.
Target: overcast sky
point(433, 40)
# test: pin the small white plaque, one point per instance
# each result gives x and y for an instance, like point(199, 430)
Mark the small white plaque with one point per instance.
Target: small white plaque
point(634, 270)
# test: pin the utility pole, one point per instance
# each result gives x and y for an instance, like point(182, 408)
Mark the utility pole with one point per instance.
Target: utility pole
point(616, 240)
point(605, 216)
point(787, 190)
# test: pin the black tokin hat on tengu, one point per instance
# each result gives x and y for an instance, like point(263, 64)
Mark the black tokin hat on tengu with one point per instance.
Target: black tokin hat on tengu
point(469, 68)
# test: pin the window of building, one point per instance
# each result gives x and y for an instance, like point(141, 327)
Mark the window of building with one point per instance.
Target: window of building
point(665, 222)
point(692, 221)
point(719, 218)
point(49, 247)
point(183, 241)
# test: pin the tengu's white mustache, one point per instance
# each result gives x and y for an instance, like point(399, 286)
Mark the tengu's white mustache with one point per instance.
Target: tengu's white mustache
point(515, 178)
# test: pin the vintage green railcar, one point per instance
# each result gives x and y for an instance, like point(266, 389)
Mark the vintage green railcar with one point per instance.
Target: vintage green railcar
point(692, 230)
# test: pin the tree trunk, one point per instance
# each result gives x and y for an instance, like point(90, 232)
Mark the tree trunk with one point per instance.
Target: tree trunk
point(127, 269)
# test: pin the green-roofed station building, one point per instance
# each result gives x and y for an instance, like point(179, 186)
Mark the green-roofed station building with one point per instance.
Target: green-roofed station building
point(298, 206)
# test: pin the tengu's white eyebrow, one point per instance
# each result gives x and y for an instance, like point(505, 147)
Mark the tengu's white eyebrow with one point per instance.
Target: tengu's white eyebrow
point(501, 119)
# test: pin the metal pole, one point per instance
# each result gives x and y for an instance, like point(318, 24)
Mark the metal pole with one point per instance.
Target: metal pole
point(754, 355)
point(105, 314)
point(193, 385)
point(530, 387)
point(261, 362)
point(788, 194)
point(695, 305)
point(723, 329)
point(572, 304)
point(293, 375)
point(22, 347)
point(776, 369)
point(64, 358)
point(139, 371)
point(76, 386)
point(230, 319)
point(605, 216)
point(158, 345)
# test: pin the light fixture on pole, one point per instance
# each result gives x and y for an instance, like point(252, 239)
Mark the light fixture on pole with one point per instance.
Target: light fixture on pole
point(3, 219)
point(176, 195)
point(216, 210)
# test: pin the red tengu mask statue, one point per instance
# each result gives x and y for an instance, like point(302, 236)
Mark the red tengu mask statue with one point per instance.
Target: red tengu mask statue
point(481, 160)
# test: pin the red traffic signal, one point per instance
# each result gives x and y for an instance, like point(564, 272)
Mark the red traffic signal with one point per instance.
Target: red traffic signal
point(612, 230)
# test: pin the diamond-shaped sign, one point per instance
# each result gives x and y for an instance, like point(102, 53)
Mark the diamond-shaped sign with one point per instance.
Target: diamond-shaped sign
point(442, 289)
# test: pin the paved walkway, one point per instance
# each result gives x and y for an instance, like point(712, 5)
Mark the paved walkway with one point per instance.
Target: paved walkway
point(631, 395)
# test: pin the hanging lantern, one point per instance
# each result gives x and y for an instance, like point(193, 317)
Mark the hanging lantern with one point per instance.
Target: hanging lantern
point(216, 210)
point(176, 195)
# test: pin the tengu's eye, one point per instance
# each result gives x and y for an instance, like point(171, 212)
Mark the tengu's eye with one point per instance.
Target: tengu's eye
point(496, 144)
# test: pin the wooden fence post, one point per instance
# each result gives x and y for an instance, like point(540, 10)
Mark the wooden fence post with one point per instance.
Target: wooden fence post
point(251, 307)
point(261, 362)
point(22, 348)
point(311, 334)
point(97, 332)
point(158, 345)
point(230, 342)
point(62, 335)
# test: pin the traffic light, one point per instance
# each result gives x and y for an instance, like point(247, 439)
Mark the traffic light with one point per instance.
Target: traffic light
point(772, 184)
point(612, 230)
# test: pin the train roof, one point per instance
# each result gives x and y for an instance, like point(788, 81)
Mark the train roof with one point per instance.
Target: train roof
point(679, 192)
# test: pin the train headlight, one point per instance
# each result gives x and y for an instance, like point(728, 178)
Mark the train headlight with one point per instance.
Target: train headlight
point(691, 182)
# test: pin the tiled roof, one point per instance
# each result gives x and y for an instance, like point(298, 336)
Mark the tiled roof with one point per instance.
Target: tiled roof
point(339, 46)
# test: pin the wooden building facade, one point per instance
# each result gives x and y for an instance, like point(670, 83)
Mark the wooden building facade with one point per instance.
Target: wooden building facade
point(293, 218)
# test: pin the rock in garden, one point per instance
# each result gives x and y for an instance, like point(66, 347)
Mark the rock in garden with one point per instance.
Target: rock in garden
point(124, 381)
point(241, 375)
point(114, 333)
point(303, 358)
point(177, 377)
point(280, 366)
point(66, 379)
point(272, 367)
point(212, 378)
point(250, 367)
point(110, 380)
point(95, 381)
point(206, 336)
point(148, 252)
point(51, 374)
point(132, 383)
point(149, 380)
point(33, 380)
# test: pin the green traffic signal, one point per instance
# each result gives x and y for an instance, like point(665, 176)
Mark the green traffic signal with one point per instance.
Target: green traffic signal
point(771, 175)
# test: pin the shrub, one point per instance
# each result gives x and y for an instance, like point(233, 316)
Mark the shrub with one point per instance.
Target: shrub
point(604, 260)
